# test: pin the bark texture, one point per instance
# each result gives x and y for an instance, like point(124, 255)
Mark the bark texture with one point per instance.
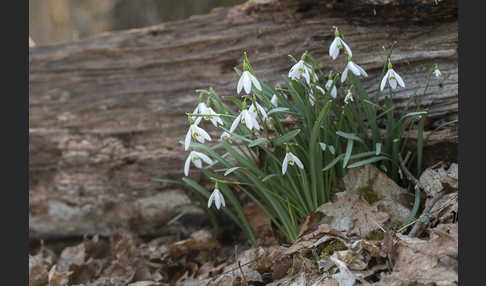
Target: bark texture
point(106, 113)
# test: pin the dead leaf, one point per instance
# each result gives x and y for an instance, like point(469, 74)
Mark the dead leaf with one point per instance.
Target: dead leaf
point(58, 278)
point(433, 261)
point(147, 283)
point(261, 223)
point(435, 180)
point(199, 240)
point(390, 197)
point(310, 238)
point(310, 223)
point(344, 277)
point(38, 270)
point(349, 213)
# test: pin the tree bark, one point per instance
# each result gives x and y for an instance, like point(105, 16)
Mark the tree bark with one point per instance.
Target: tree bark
point(106, 113)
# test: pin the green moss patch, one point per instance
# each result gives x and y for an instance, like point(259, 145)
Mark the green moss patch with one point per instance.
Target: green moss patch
point(334, 245)
point(369, 194)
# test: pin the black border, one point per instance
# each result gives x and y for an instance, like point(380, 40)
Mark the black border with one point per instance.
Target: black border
point(14, 118)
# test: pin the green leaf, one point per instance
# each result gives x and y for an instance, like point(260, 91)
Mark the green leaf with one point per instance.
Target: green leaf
point(277, 109)
point(286, 137)
point(333, 162)
point(349, 150)
point(169, 181)
point(268, 177)
point(349, 136)
point(230, 170)
point(367, 161)
point(257, 142)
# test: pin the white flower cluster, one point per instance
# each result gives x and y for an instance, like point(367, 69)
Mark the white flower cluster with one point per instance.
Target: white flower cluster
point(256, 115)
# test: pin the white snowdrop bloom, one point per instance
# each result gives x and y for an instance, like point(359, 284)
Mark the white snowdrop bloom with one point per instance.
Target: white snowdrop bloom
point(203, 109)
point(393, 78)
point(437, 72)
point(274, 100)
point(196, 157)
point(357, 70)
point(334, 90)
point(225, 136)
point(260, 109)
point(299, 70)
point(197, 132)
point(291, 159)
point(246, 81)
point(336, 45)
point(218, 199)
point(312, 98)
point(245, 117)
point(215, 119)
point(349, 97)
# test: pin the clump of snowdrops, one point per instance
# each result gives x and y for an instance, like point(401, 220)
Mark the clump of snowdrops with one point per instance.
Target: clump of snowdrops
point(287, 146)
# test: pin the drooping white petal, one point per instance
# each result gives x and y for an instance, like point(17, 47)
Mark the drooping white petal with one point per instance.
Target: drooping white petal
point(248, 119)
point(262, 111)
point(297, 161)
point(347, 48)
point(352, 66)
point(345, 74)
point(211, 199)
point(187, 165)
point(196, 161)
point(399, 79)
point(385, 79)
point(361, 70)
point(285, 164)
point(240, 85)
point(320, 89)
point(306, 76)
point(246, 82)
point(274, 100)
point(235, 123)
point(333, 48)
point(204, 157)
point(334, 90)
point(255, 81)
point(187, 141)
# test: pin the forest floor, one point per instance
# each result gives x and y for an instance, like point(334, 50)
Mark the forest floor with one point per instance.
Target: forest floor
point(362, 239)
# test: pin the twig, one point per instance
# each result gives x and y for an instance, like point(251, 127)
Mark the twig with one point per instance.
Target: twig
point(423, 220)
point(409, 175)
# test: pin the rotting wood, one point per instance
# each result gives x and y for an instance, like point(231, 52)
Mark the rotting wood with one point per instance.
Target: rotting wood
point(106, 113)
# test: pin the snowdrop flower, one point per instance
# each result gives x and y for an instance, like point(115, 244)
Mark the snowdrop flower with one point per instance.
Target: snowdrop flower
point(197, 132)
point(209, 113)
point(217, 197)
point(301, 69)
point(349, 97)
point(357, 70)
point(260, 109)
point(334, 90)
point(312, 98)
point(291, 159)
point(392, 77)
point(337, 44)
point(196, 157)
point(274, 100)
point(245, 117)
point(225, 136)
point(437, 72)
point(246, 81)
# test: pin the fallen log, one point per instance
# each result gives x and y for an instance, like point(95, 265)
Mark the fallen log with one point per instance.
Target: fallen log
point(106, 113)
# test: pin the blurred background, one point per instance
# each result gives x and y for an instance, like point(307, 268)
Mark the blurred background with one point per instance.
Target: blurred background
point(54, 21)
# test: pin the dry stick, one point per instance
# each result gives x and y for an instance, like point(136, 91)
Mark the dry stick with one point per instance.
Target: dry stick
point(424, 218)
